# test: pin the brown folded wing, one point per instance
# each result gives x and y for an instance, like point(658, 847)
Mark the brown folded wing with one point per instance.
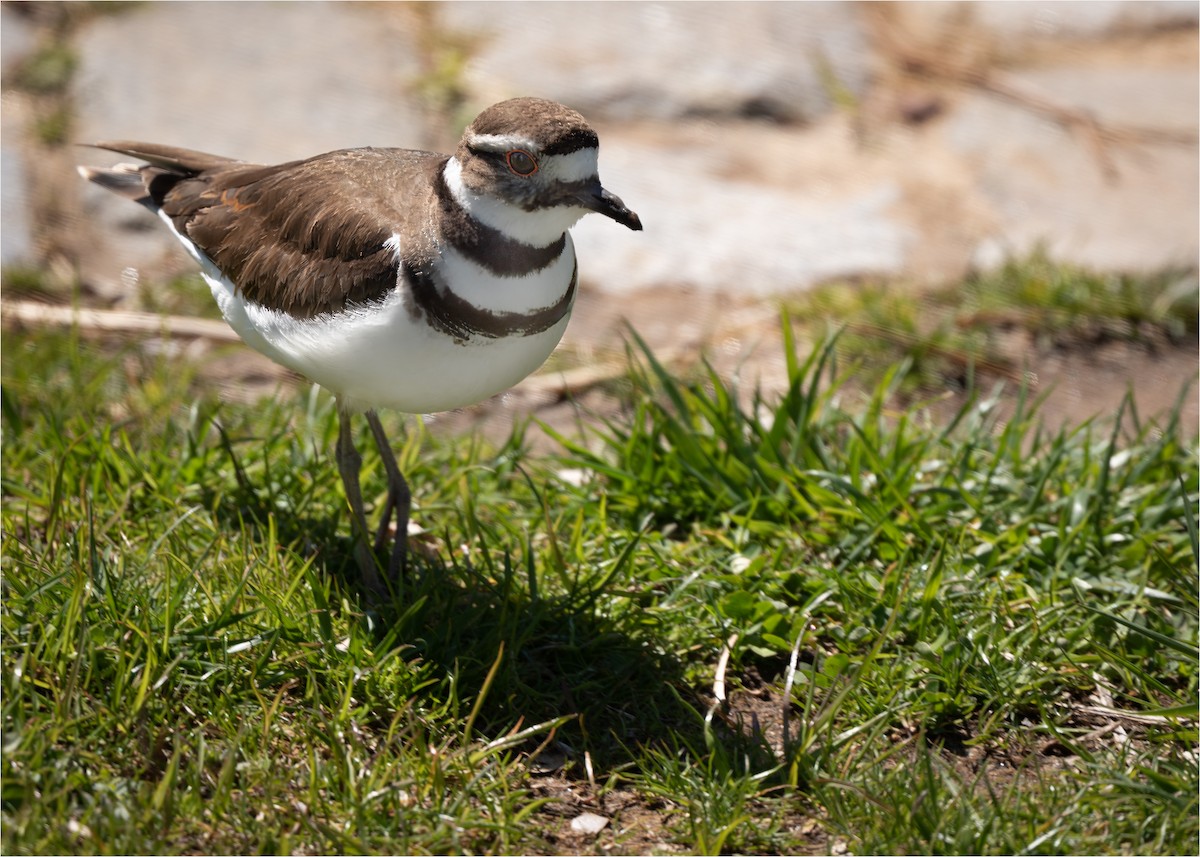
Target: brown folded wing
point(306, 237)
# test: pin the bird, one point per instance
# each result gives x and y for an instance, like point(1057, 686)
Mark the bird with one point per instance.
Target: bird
point(393, 278)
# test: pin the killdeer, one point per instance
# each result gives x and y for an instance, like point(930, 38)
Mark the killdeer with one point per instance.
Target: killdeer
point(393, 278)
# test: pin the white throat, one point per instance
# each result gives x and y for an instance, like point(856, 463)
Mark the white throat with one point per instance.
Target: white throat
point(539, 228)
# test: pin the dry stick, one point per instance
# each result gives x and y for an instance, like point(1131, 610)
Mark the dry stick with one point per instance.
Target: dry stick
point(1099, 136)
point(789, 681)
point(723, 662)
point(1136, 716)
point(962, 360)
point(16, 313)
point(571, 381)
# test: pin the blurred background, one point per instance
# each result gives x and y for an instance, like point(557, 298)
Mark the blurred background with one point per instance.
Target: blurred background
point(994, 187)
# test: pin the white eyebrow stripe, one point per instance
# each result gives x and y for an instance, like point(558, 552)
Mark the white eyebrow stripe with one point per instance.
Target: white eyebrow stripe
point(501, 142)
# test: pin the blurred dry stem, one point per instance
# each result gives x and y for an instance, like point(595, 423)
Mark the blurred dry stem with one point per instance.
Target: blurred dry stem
point(960, 55)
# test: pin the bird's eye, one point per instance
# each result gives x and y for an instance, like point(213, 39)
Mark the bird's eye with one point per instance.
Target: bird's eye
point(521, 162)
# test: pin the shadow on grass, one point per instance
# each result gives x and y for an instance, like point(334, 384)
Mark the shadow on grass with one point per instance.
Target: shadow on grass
point(559, 655)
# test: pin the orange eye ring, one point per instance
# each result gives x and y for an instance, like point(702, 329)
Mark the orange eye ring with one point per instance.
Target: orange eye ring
point(521, 162)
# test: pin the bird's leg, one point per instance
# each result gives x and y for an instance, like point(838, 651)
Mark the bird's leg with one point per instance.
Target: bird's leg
point(349, 464)
point(399, 500)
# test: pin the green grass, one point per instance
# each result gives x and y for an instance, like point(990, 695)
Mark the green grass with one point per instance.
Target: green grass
point(968, 637)
point(993, 319)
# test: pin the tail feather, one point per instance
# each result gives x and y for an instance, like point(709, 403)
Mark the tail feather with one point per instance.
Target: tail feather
point(171, 158)
point(148, 184)
point(123, 179)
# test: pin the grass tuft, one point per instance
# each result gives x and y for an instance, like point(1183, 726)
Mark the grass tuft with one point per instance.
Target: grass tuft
point(970, 636)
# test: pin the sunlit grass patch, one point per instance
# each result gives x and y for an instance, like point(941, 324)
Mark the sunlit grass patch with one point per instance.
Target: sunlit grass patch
point(990, 321)
point(811, 622)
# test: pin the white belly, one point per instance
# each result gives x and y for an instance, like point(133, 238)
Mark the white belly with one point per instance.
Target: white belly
point(380, 357)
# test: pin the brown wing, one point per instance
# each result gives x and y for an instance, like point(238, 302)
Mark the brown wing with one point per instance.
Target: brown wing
point(305, 237)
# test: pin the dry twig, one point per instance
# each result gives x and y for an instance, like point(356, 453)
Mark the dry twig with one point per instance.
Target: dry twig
point(1101, 137)
point(31, 313)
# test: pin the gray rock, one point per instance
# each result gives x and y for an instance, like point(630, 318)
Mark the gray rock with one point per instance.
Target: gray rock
point(1083, 20)
point(715, 224)
point(666, 60)
point(16, 234)
point(258, 81)
point(18, 40)
point(264, 82)
point(1046, 186)
point(1067, 19)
